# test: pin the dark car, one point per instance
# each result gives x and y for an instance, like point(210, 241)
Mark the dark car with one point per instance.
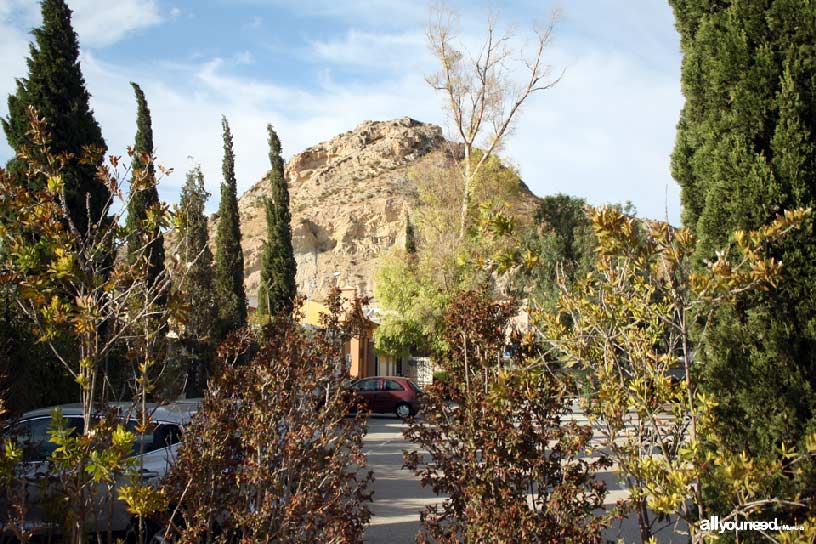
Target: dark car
point(389, 395)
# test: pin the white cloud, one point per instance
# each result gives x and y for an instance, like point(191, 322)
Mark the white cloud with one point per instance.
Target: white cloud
point(604, 133)
point(24, 9)
point(100, 23)
point(13, 46)
point(644, 31)
point(370, 50)
point(186, 119)
point(13, 51)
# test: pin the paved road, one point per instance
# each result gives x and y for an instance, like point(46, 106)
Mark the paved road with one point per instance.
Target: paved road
point(398, 496)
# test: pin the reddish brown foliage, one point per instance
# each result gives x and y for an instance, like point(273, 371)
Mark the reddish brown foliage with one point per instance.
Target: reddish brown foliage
point(499, 446)
point(272, 455)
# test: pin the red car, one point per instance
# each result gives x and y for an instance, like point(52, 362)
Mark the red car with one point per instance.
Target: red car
point(389, 395)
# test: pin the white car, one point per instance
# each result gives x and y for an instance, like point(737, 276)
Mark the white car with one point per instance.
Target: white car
point(154, 454)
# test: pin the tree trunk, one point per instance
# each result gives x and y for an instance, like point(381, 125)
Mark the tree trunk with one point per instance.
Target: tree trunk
point(466, 192)
point(643, 521)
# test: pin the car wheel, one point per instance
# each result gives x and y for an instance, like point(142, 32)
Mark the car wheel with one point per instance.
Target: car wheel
point(402, 410)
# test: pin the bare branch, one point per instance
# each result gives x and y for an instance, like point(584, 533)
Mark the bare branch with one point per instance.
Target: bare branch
point(482, 91)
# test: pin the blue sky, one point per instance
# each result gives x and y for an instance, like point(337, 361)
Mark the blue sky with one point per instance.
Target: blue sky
point(315, 68)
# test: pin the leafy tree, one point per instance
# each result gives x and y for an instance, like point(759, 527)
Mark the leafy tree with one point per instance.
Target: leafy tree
point(30, 376)
point(66, 286)
point(629, 333)
point(229, 259)
point(272, 455)
point(495, 432)
point(745, 150)
point(144, 200)
point(55, 87)
point(197, 286)
point(278, 267)
point(413, 305)
point(566, 218)
point(146, 240)
point(262, 311)
point(559, 247)
point(414, 289)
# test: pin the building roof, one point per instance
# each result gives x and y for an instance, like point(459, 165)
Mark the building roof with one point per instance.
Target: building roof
point(312, 310)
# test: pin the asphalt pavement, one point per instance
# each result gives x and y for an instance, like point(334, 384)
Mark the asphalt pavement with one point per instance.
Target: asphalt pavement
point(398, 495)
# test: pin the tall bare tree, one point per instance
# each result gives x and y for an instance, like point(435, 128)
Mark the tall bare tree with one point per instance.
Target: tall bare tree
point(485, 91)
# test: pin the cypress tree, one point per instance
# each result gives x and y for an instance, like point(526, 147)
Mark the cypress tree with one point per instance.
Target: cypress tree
point(55, 87)
point(565, 217)
point(278, 289)
point(143, 199)
point(197, 284)
point(563, 241)
point(229, 259)
point(263, 300)
point(196, 253)
point(745, 152)
point(410, 237)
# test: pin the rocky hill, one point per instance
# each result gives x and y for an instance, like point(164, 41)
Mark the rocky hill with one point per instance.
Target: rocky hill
point(350, 198)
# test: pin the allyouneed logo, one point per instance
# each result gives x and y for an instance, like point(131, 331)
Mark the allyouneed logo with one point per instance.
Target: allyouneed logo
point(713, 524)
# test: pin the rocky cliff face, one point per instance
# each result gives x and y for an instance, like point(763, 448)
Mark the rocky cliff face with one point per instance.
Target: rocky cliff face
point(350, 198)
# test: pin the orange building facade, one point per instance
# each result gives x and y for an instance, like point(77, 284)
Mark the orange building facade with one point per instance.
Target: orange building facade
point(361, 359)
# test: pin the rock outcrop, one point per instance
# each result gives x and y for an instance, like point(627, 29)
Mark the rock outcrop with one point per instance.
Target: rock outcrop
point(350, 198)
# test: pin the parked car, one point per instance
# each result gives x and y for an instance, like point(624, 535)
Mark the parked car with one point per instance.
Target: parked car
point(389, 395)
point(154, 452)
